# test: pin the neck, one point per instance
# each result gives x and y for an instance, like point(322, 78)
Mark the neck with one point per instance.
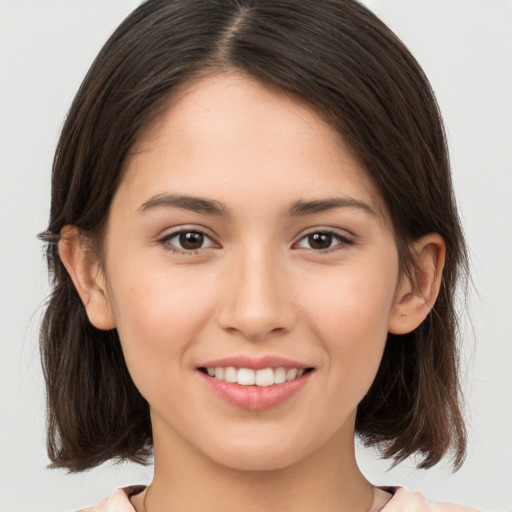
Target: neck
point(187, 481)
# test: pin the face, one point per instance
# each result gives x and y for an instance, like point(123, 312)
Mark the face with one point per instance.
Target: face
point(246, 240)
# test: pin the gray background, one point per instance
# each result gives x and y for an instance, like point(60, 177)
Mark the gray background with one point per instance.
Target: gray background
point(465, 47)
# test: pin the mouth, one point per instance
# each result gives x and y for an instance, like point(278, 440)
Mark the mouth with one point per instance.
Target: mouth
point(263, 377)
point(255, 383)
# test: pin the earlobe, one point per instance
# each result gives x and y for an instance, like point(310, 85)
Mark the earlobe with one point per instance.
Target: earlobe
point(417, 294)
point(87, 277)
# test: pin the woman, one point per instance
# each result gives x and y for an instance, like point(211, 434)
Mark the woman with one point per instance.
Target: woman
point(255, 249)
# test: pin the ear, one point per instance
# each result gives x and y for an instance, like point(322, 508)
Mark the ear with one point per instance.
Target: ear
point(416, 295)
point(87, 277)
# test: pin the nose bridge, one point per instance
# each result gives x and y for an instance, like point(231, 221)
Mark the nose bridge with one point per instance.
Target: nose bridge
point(256, 302)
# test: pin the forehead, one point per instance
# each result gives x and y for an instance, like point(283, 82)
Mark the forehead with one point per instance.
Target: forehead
point(227, 103)
point(225, 131)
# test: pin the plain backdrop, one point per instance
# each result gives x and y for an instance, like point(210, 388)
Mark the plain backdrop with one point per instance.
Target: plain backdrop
point(465, 47)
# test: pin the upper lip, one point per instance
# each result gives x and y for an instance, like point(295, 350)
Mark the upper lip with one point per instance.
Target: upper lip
point(254, 363)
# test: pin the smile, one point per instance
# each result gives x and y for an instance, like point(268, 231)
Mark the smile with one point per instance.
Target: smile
point(255, 383)
point(250, 377)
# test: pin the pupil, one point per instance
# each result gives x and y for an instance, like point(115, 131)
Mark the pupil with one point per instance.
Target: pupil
point(191, 240)
point(320, 240)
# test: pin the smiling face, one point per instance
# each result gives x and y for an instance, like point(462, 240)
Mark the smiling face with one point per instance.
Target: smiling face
point(245, 235)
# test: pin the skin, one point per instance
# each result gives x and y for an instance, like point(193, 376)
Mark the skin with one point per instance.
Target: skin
point(257, 286)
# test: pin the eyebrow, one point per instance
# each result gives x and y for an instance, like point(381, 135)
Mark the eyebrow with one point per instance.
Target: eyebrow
point(192, 203)
point(300, 208)
point(210, 207)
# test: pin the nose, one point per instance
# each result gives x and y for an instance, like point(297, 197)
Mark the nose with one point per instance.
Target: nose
point(257, 298)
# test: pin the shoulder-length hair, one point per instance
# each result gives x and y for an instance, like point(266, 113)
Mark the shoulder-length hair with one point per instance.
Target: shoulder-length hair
point(356, 74)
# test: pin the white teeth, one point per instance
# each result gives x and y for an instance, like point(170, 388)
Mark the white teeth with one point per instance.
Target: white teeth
point(291, 373)
point(246, 377)
point(230, 374)
point(279, 375)
point(265, 377)
point(250, 377)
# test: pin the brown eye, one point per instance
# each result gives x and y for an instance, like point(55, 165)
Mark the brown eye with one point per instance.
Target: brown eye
point(187, 241)
point(191, 240)
point(323, 241)
point(320, 240)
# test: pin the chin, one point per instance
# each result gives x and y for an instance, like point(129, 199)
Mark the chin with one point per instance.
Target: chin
point(258, 456)
point(258, 462)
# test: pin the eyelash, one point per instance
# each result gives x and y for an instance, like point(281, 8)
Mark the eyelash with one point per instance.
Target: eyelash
point(342, 240)
point(166, 241)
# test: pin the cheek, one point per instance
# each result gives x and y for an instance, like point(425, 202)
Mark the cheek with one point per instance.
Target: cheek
point(353, 303)
point(350, 318)
point(157, 315)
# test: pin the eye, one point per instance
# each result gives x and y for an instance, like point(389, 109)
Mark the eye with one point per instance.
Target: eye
point(187, 241)
point(323, 241)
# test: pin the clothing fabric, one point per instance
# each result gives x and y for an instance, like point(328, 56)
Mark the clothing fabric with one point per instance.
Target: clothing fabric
point(402, 500)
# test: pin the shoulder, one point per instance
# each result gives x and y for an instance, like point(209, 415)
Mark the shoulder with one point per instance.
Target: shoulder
point(405, 500)
point(118, 501)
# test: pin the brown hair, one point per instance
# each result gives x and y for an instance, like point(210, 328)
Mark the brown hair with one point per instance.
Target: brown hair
point(344, 62)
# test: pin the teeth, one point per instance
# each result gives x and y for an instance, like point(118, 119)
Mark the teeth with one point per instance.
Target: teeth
point(246, 377)
point(230, 374)
point(265, 377)
point(291, 373)
point(279, 375)
point(249, 377)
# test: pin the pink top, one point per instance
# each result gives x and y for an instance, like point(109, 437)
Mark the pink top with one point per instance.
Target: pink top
point(401, 500)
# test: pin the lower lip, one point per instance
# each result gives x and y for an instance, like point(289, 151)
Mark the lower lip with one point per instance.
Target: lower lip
point(255, 398)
